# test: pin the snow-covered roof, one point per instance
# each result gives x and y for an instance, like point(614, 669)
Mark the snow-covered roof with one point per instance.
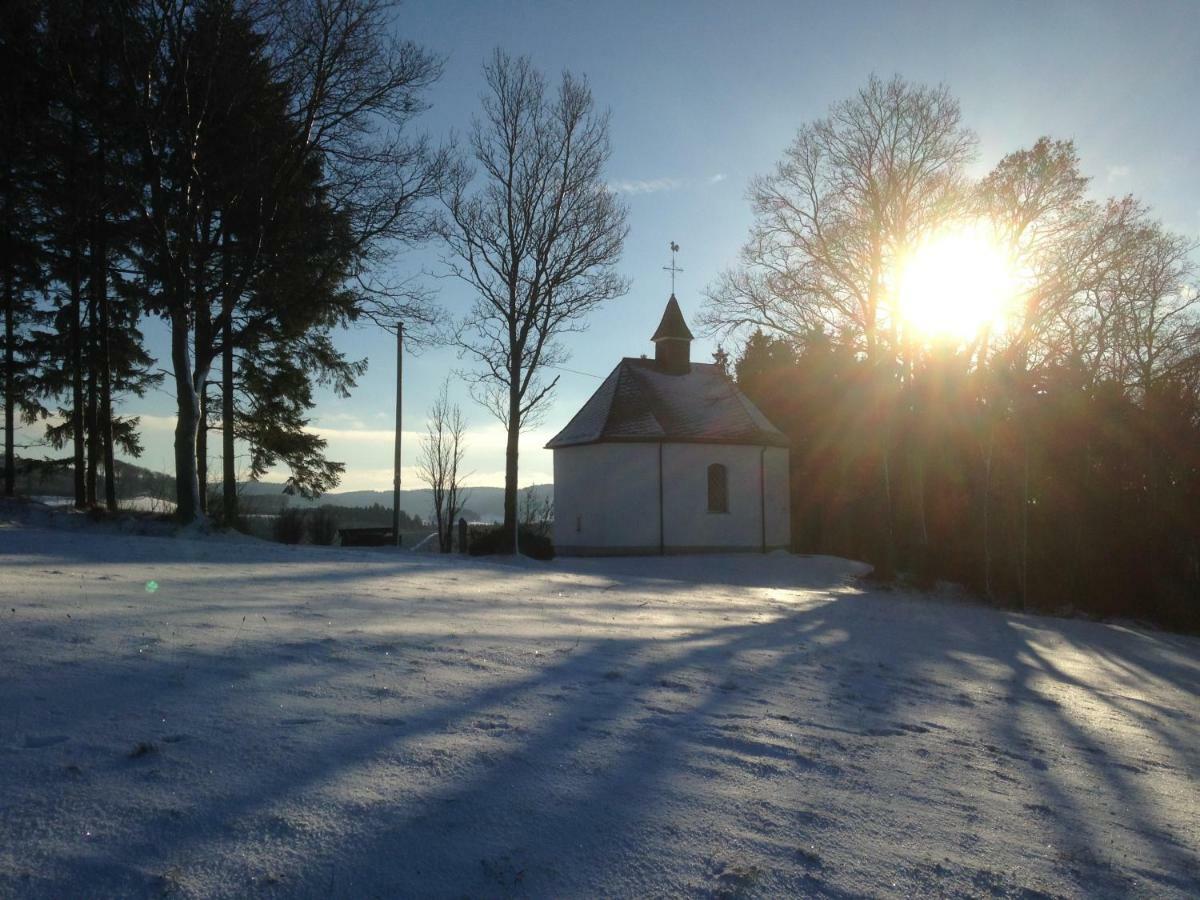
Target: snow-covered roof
point(638, 402)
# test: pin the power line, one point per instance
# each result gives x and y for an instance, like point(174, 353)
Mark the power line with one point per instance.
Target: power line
point(574, 371)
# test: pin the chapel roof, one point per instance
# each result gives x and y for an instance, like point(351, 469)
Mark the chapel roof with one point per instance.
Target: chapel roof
point(639, 402)
point(672, 324)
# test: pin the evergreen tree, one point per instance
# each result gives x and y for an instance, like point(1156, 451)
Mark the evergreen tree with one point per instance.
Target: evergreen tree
point(22, 269)
point(257, 160)
point(85, 185)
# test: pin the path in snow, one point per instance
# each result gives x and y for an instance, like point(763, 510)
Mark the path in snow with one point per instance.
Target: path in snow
point(307, 722)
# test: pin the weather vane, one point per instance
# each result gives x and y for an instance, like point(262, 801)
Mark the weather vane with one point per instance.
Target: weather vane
point(672, 268)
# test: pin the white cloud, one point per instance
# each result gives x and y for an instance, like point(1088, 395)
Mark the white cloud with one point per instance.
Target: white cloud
point(489, 437)
point(151, 422)
point(363, 449)
point(635, 186)
point(1118, 173)
point(360, 435)
point(643, 186)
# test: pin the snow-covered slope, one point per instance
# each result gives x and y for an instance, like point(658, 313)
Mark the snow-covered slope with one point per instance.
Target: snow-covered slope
point(223, 718)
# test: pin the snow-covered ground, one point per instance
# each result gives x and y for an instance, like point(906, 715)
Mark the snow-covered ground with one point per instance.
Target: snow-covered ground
point(141, 503)
point(228, 718)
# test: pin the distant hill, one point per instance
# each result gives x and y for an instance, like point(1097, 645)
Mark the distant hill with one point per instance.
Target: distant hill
point(487, 503)
point(37, 478)
point(45, 478)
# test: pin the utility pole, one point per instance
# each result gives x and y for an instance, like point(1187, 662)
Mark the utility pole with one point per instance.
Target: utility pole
point(396, 461)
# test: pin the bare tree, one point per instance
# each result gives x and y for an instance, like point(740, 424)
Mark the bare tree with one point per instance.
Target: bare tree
point(1057, 240)
point(853, 197)
point(439, 464)
point(854, 193)
point(1159, 337)
point(535, 233)
point(537, 510)
point(354, 89)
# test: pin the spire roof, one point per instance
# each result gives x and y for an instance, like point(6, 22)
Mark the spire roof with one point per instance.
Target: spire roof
point(672, 326)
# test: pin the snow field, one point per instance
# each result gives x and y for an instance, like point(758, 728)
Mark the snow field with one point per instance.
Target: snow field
point(217, 718)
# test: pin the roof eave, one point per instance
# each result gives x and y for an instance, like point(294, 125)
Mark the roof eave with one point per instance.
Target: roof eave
point(781, 442)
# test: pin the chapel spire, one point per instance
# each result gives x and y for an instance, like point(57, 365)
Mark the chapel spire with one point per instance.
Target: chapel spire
point(673, 341)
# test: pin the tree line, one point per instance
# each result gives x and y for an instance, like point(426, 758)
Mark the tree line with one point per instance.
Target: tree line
point(244, 173)
point(1051, 459)
point(238, 171)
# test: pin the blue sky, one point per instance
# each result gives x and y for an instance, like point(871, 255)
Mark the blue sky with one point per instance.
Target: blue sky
point(705, 95)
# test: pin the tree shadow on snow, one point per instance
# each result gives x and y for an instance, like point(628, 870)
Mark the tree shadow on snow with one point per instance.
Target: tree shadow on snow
point(738, 758)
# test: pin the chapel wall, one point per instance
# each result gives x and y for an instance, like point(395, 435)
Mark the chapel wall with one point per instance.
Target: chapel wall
point(689, 524)
point(606, 498)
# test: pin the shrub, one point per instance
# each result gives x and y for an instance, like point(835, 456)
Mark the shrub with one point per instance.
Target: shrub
point(216, 507)
point(289, 526)
point(323, 526)
point(497, 540)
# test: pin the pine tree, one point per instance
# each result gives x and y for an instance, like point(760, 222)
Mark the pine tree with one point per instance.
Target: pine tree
point(22, 269)
point(90, 345)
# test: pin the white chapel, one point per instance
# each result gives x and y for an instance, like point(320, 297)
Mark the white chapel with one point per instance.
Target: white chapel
point(669, 457)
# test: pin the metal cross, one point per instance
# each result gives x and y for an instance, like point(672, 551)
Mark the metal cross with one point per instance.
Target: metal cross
point(672, 268)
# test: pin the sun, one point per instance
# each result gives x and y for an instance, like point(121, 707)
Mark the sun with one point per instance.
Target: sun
point(956, 285)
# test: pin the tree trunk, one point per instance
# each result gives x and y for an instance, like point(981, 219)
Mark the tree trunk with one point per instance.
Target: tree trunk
point(10, 387)
point(106, 424)
point(229, 495)
point(439, 511)
point(399, 433)
point(187, 403)
point(510, 463)
point(1025, 524)
point(887, 567)
point(76, 367)
point(202, 449)
point(93, 403)
point(987, 505)
point(100, 430)
point(202, 335)
point(100, 290)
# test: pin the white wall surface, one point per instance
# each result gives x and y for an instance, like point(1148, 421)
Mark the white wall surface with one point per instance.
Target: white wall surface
point(606, 498)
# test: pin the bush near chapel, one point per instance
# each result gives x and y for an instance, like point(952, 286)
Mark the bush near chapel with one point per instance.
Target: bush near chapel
point(290, 526)
point(498, 540)
point(323, 526)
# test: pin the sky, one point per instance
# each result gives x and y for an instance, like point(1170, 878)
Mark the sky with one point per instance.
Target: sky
point(704, 96)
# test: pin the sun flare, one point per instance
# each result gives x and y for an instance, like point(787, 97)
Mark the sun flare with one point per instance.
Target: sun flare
point(955, 285)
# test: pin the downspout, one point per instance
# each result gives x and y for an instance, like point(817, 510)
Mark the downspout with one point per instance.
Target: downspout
point(662, 546)
point(762, 495)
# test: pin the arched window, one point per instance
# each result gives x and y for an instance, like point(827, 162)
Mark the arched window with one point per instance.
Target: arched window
point(718, 489)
